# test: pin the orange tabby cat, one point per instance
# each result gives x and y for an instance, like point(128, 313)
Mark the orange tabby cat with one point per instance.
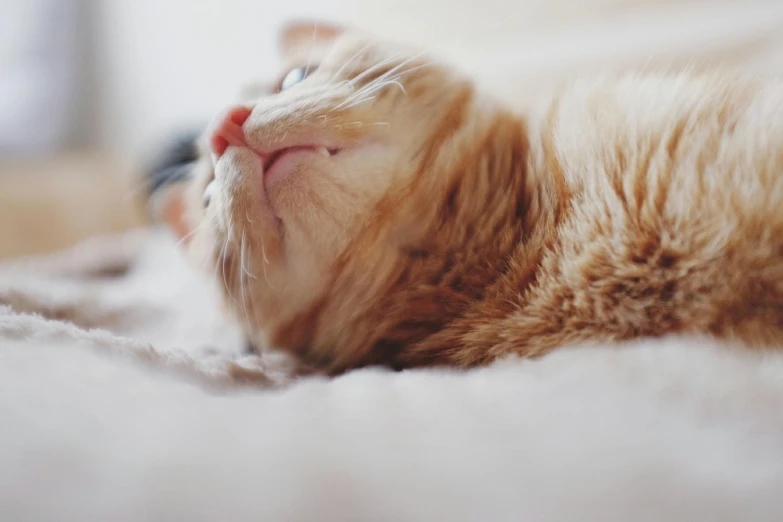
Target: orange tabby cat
point(375, 208)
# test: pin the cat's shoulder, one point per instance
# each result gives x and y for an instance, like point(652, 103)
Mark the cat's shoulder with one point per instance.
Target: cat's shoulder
point(601, 115)
point(659, 98)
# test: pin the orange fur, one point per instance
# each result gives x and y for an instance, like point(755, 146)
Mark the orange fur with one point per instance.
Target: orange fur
point(457, 231)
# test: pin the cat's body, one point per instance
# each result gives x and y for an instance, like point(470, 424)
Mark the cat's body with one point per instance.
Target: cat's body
point(430, 225)
point(660, 211)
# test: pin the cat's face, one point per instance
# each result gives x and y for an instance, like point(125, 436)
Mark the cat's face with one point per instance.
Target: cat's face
point(311, 178)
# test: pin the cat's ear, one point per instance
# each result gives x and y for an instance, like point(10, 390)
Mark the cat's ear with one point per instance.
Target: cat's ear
point(300, 32)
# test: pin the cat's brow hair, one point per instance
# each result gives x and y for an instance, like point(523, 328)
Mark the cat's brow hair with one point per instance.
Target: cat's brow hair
point(348, 62)
point(391, 77)
point(310, 53)
point(371, 69)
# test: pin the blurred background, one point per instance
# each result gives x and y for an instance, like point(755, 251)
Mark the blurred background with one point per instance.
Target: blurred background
point(89, 89)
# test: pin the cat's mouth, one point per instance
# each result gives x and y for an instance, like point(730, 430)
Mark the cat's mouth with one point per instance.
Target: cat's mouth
point(277, 160)
point(276, 165)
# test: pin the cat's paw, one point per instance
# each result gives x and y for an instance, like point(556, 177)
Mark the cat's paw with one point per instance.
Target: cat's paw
point(267, 369)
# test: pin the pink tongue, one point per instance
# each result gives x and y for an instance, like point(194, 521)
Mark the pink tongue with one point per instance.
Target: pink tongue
point(283, 152)
point(297, 149)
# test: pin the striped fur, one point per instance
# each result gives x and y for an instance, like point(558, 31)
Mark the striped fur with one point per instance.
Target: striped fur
point(454, 230)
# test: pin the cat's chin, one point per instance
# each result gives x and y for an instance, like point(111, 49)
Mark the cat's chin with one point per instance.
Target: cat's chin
point(239, 180)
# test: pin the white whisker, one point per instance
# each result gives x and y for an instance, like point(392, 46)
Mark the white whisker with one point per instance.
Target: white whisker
point(189, 234)
point(347, 63)
point(242, 291)
point(373, 68)
point(398, 84)
point(340, 107)
point(330, 89)
point(373, 88)
point(223, 262)
point(381, 82)
point(242, 258)
point(328, 54)
point(266, 262)
point(310, 54)
point(398, 67)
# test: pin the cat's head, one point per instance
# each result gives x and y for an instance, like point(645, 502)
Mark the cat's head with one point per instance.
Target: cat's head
point(341, 205)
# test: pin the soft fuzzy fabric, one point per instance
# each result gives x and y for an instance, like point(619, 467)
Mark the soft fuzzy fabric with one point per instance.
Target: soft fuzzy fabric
point(660, 430)
point(120, 394)
point(132, 294)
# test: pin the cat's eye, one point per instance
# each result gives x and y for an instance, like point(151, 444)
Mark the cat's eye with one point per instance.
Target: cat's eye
point(208, 193)
point(293, 77)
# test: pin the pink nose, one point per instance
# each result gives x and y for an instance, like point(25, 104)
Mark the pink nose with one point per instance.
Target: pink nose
point(227, 130)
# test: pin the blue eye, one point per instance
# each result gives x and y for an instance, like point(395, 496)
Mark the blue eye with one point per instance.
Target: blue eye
point(293, 77)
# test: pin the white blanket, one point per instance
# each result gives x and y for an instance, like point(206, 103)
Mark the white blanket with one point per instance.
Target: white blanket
point(97, 426)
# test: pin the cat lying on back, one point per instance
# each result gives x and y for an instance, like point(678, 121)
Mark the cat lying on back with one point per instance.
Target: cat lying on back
point(374, 208)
